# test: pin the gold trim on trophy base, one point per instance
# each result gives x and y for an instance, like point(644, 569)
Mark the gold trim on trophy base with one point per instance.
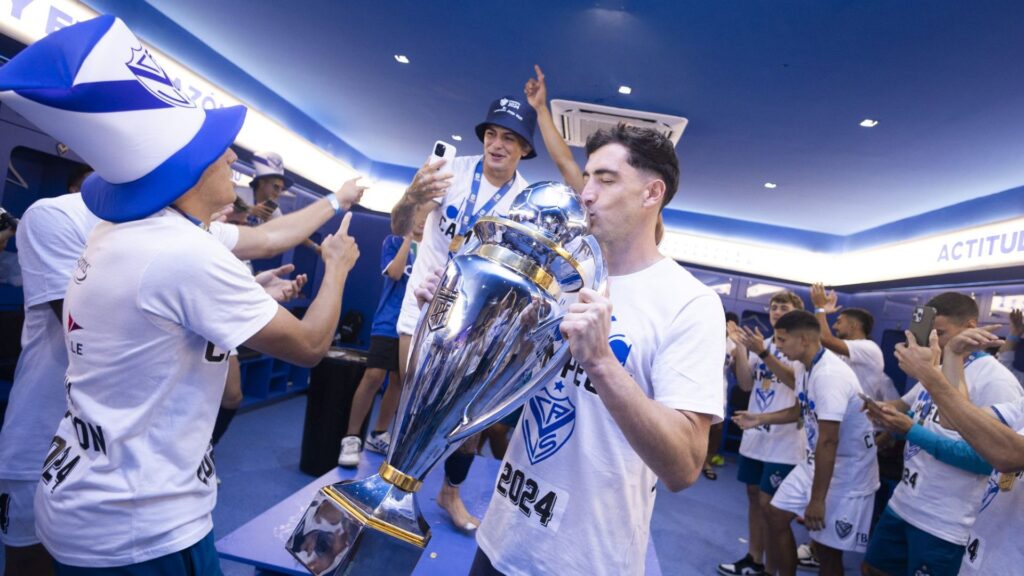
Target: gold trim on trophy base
point(375, 523)
point(526, 230)
point(396, 477)
point(521, 264)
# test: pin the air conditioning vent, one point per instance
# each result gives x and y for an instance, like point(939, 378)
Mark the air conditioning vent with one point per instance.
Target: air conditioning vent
point(578, 120)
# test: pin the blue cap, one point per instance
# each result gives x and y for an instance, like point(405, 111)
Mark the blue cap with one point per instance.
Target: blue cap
point(511, 114)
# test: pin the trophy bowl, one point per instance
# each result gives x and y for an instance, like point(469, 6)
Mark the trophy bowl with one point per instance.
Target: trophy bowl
point(487, 341)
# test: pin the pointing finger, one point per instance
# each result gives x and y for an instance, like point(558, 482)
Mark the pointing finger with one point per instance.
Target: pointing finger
point(343, 229)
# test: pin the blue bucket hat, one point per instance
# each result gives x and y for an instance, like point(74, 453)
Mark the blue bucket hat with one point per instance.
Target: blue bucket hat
point(95, 87)
point(511, 114)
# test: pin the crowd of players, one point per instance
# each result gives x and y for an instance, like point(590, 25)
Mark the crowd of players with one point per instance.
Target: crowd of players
point(135, 296)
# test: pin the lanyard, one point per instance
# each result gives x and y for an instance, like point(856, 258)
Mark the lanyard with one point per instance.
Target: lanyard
point(974, 356)
point(469, 217)
point(814, 362)
point(191, 219)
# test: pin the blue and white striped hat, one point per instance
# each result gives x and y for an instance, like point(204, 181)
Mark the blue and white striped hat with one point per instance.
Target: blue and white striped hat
point(94, 87)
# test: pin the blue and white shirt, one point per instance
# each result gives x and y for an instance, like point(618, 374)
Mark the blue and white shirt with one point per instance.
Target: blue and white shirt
point(393, 292)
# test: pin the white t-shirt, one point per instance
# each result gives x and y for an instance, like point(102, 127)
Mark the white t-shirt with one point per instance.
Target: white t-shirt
point(829, 393)
point(573, 496)
point(1006, 358)
point(867, 363)
point(443, 224)
point(938, 498)
point(153, 308)
point(51, 237)
point(994, 545)
point(776, 443)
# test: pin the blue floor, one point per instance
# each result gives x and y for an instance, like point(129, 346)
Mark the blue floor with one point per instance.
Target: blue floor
point(258, 460)
point(258, 463)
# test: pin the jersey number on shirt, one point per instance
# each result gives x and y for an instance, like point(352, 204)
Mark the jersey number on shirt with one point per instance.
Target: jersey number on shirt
point(523, 492)
point(57, 465)
point(910, 478)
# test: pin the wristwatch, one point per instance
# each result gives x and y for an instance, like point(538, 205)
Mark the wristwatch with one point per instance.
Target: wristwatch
point(820, 311)
point(333, 201)
point(763, 354)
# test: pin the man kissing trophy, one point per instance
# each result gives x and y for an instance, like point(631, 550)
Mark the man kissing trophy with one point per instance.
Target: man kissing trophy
point(487, 341)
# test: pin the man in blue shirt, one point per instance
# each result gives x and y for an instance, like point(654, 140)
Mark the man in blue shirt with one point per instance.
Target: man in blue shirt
point(397, 257)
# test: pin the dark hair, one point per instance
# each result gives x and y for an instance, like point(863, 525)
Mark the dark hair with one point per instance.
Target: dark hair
point(958, 307)
point(867, 321)
point(798, 321)
point(787, 297)
point(77, 177)
point(649, 151)
point(732, 316)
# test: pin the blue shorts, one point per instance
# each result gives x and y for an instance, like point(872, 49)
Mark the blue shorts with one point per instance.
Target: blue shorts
point(768, 476)
point(199, 559)
point(896, 547)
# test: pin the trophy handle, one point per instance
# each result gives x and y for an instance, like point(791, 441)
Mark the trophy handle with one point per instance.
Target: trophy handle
point(598, 282)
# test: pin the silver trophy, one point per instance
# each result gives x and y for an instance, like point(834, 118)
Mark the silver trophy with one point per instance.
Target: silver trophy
point(486, 343)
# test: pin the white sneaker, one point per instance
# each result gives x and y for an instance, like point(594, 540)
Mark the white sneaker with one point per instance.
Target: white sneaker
point(350, 447)
point(805, 558)
point(379, 443)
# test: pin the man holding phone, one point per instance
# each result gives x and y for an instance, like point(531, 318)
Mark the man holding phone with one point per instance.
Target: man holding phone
point(930, 515)
point(456, 194)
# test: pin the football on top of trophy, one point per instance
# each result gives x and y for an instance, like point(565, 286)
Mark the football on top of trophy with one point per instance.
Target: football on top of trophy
point(553, 209)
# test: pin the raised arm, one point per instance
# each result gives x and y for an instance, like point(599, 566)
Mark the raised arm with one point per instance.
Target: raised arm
point(825, 304)
point(428, 185)
point(306, 341)
point(997, 443)
point(537, 95)
point(280, 234)
point(753, 340)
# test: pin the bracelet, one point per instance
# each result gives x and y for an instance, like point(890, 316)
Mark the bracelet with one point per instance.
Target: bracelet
point(763, 354)
point(333, 201)
point(820, 311)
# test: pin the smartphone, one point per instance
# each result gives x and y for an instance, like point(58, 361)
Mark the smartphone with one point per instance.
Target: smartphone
point(270, 204)
point(443, 151)
point(921, 324)
point(867, 399)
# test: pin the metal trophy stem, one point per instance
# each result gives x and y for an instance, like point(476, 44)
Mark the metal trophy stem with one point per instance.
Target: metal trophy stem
point(485, 344)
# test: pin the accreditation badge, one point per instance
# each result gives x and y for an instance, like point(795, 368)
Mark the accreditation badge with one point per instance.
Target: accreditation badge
point(1006, 482)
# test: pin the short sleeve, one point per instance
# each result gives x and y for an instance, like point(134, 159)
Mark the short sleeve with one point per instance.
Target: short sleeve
point(226, 234)
point(687, 374)
point(865, 353)
point(1011, 413)
point(388, 250)
point(832, 393)
point(49, 245)
point(205, 289)
point(994, 383)
point(911, 396)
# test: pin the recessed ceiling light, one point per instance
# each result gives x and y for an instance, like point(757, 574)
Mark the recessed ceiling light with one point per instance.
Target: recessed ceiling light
point(869, 123)
point(456, 137)
point(401, 59)
point(771, 185)
point(625, 90)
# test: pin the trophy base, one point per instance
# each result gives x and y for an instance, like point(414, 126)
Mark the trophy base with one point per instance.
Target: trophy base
point(360, 527)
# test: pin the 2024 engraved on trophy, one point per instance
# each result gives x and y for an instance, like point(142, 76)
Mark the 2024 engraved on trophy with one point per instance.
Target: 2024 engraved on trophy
point(486, 343)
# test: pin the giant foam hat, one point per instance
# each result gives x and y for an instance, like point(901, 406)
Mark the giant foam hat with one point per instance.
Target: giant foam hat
point(511, 114)
point(94, 87)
